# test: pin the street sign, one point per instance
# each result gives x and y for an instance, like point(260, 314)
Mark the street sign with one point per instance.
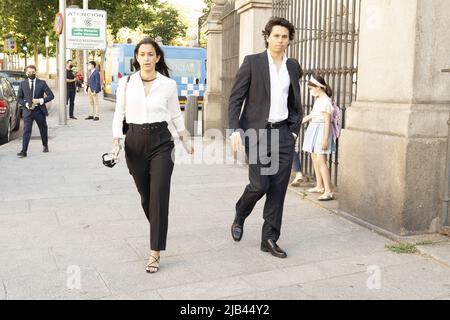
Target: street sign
point(10, 45)
point(85, 29)
point(58, 23)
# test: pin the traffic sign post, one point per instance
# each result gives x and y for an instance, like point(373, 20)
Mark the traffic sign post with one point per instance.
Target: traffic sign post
point(59, 22)
point(85, 52)
point(60, 30)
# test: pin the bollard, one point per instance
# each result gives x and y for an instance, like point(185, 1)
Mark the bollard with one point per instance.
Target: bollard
point(191, 115)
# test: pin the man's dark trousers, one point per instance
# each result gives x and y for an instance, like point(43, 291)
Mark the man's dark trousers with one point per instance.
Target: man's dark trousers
point(71, 101)
point(274, 185)
point(28, 117)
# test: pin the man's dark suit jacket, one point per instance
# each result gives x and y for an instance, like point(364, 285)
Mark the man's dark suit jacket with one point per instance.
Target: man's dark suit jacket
point(40, 87)
point(252, 85)
point(94, 81)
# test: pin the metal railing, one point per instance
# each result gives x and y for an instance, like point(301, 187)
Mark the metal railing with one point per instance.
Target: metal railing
point(326, 41)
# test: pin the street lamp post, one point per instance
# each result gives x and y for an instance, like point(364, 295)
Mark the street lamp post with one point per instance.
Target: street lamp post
point(25, 49)
point(47, 63)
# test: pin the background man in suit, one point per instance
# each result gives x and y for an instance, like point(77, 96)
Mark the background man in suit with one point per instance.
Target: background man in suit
point(32, 95)
point(93, 88)
point(268, 83)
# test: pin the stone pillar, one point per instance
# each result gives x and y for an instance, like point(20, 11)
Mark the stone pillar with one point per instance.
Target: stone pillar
point(393, 150)
point(212, 114)
point(254, 15)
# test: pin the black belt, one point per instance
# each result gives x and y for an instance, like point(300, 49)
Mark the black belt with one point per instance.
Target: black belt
point(276, 125)
point(148, 128)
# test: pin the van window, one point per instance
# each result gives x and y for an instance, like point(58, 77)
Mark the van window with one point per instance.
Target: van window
point(184, 67)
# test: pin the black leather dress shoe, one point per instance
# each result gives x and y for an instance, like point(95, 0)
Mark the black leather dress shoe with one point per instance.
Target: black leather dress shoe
point(89, 118)
point(96, 118)
point(237, 229)
point(272, 247)
point(45, 149)
point(22, 154)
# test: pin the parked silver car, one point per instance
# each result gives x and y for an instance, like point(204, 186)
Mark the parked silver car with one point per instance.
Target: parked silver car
point(9, 110)
point(14, 77)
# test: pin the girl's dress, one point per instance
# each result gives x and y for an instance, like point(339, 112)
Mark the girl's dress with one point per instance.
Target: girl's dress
point(314, 135)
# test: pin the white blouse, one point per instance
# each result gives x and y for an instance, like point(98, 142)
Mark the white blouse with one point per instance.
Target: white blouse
point(160, 105)
point(321, 105)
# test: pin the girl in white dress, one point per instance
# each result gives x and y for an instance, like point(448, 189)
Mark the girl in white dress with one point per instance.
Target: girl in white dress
point(318, 138)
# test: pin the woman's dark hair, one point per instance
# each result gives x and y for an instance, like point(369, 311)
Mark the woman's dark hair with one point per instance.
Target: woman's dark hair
point(322, 81)
point(277, 21)
point(161, 66)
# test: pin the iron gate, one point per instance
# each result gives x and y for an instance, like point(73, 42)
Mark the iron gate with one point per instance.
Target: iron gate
point(326, 41)
point(230, 54)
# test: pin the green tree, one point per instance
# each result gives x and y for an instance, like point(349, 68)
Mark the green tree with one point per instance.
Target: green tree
point(29, 21)
point(206, 10)
point(164, 21)
point(151, 16)
point(202, 20)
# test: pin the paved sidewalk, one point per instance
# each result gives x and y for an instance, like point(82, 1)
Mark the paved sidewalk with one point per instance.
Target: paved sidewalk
point(71, 228)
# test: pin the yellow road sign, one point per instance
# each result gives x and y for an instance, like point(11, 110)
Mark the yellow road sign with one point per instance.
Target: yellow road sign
point(10, 45)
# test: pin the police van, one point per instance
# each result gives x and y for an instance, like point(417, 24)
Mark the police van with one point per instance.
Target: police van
point(187, 66)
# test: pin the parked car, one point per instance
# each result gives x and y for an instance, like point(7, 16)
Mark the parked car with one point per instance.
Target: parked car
point(14, 77)
point(9, 110)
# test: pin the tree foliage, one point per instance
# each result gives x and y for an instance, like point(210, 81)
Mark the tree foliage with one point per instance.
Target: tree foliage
point(29, 21)
point(164, 21)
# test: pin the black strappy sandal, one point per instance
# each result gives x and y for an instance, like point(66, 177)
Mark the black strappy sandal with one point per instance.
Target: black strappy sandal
point(151, 267)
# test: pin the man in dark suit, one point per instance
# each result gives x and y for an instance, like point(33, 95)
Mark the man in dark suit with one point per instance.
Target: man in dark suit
point(264, 110)
point(32, 95)
point(93, 88)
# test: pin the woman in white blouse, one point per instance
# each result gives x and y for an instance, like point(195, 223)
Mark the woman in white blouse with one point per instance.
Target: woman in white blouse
point(148, 101)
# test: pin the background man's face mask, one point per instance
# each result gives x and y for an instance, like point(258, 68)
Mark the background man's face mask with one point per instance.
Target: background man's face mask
point(108, 161)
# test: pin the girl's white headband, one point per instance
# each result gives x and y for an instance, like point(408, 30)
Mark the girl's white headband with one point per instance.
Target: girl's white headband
point(317, 83)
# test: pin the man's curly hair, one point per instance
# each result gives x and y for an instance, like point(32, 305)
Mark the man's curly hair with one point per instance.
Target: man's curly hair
point(277, 21)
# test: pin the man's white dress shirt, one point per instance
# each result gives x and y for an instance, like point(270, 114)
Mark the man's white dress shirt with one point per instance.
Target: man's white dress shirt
point(41, 101)
point(279, 90)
